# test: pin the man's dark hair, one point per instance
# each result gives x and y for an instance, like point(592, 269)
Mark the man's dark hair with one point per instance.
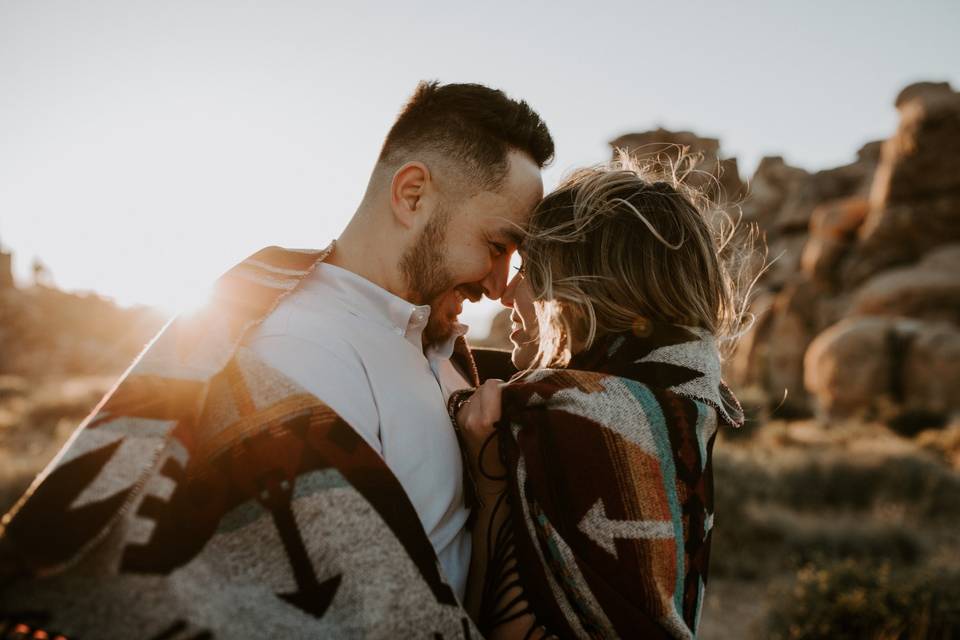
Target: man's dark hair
point(469, 123)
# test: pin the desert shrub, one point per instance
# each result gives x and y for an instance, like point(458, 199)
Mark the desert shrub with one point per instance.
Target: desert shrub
point(856, 600)
point(12, 387)
point(47, 412)
point(910, 423)
point(67, 401)
point(943, 443)
point(755, 541)
point(920, 483)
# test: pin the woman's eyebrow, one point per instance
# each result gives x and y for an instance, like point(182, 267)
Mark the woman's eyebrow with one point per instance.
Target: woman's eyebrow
point(515, 236)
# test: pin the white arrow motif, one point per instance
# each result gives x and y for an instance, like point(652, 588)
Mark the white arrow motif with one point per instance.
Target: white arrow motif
point(596, 526)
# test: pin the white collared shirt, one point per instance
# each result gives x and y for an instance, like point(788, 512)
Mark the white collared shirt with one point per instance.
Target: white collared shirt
point(359, 348)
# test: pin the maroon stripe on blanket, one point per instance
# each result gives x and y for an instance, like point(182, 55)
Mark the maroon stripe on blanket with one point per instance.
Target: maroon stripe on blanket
point(287, 259)
point(248, 297)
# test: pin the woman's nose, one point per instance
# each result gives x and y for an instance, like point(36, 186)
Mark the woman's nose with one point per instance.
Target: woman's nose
point(508, 294)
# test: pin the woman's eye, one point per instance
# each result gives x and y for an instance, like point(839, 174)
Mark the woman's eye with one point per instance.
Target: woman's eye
point(498, 249)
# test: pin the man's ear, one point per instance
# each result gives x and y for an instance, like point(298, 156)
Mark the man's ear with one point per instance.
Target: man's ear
point(407, 190)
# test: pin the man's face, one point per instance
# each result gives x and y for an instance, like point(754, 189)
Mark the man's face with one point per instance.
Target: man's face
point(463, 253)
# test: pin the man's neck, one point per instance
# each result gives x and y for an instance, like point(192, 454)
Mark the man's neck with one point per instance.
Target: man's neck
point(358, 251)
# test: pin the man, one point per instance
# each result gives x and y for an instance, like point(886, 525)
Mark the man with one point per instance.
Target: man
point(280, 463)
point(371, 331)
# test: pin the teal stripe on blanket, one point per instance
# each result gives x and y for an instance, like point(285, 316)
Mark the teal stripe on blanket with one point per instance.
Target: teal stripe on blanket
point(658, 423)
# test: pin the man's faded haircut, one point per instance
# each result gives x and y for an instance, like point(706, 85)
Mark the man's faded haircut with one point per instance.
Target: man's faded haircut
point(473, 125)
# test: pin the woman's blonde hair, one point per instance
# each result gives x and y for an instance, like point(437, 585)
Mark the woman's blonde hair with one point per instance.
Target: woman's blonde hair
point(628, 242)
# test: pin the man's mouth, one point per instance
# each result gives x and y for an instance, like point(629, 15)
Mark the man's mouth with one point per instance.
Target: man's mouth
point(471, 293)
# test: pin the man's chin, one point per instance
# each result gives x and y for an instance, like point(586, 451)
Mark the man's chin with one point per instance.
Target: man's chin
point(441, 331)
point(444, 317)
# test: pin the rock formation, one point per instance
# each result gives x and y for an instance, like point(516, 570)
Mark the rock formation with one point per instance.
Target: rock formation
point(858, 313)
point(6, 270)
point(868, 275)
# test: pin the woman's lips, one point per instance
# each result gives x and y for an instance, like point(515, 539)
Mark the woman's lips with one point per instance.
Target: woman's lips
point(517, 327)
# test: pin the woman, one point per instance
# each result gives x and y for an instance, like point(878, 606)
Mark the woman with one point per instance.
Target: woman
point(593, 465)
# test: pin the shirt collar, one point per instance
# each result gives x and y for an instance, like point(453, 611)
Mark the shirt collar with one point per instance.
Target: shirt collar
point(444, 350)
point(368, 300)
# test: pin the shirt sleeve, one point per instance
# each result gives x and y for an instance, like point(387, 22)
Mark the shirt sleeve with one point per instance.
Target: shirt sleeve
point(338, 379)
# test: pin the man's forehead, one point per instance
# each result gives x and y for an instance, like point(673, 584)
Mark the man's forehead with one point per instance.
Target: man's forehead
point(523, 181)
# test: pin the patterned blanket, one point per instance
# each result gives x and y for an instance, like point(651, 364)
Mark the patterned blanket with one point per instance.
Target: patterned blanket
point(208, 496)
point(609, 487)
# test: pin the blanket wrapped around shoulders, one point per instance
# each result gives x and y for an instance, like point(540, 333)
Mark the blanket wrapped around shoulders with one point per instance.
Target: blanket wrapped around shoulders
point(209, 496)
point(609, 483)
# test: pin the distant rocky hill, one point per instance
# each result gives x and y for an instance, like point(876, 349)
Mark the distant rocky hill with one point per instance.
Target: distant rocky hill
point(46, 332)
point(859, 312)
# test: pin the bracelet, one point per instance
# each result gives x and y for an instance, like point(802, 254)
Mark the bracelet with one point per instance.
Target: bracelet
point(456, 402)
point(471, 492)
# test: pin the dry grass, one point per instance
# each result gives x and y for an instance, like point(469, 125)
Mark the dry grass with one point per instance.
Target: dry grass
point(35, 421)
point(839, 502)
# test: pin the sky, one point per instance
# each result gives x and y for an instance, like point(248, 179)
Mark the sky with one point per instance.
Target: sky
point(145, 147)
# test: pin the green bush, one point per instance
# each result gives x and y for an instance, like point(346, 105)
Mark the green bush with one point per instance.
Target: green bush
point(855, 600)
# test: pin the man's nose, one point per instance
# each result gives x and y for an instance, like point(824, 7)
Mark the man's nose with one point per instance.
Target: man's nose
point(496, 281)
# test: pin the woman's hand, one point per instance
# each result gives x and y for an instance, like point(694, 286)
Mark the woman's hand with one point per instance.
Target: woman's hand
point(477, 415)
point(476, 419)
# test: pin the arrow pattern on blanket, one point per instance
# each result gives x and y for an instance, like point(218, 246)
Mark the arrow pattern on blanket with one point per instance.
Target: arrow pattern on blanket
point(312, 596)
point(603, 531)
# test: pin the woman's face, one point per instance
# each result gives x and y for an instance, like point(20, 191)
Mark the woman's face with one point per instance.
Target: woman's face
point(525, 330)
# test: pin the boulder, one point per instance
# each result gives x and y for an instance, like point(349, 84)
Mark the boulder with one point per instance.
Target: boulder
point(930, 377)
point(847, 368)
point(782, 198)
point(744, 365)
point(915, 195)
point(929, 289)
point(885, 367)
point(921, 159)
point(901, 234)
point(774, 184)
point(833, 231)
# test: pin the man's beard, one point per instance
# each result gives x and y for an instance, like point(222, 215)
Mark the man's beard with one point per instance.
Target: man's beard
point(425, 269)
